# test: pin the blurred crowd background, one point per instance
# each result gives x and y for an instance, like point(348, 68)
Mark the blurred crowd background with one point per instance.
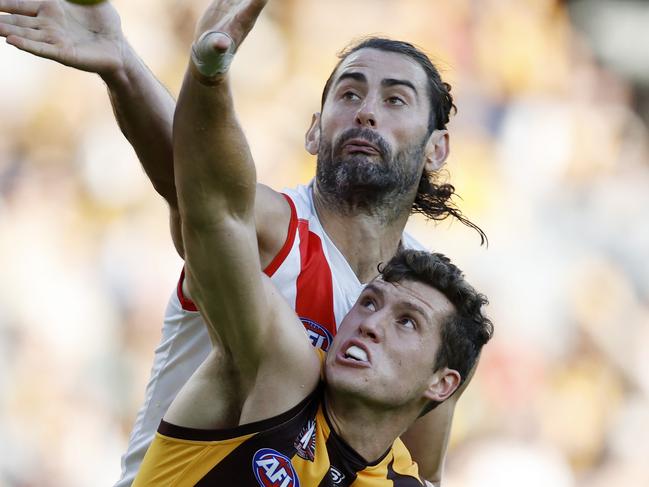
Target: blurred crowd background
point(549, 152)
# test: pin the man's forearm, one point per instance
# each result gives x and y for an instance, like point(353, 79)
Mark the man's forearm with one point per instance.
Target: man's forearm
point(213, 165)
point(144, 110)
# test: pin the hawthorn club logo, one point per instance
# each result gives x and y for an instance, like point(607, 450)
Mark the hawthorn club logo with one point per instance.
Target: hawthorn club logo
point(305, 441)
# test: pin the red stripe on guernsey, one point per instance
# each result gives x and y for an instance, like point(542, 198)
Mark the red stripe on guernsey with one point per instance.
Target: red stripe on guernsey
point(314, 300)
point(288, 244)
point(188, 305)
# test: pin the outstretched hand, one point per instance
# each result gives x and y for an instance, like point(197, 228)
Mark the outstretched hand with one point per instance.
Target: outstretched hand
point(212, 50)
point(84, 37)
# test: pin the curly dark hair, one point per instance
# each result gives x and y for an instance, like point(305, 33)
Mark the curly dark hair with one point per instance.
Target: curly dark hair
point(467, 329)
point(433, 199)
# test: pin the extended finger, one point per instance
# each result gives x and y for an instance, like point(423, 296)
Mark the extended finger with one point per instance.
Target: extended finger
point(246, 18)
point(32, 34)
point(255, 7)
point(41, 49)
point(20, 21)
point(20, 7)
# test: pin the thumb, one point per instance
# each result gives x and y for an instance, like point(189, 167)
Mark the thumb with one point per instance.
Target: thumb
point(212, 53)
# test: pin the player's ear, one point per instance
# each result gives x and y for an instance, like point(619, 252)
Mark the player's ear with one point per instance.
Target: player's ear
point(443, 383)
point(312, 137)
point(436, 150)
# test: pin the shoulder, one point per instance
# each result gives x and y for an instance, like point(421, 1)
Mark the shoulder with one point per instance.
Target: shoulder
point(270, 203)
point(301, 197)
point(272, 220)
point(276, 216)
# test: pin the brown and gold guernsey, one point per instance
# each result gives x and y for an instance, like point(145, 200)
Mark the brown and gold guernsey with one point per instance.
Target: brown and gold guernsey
point(296, 448)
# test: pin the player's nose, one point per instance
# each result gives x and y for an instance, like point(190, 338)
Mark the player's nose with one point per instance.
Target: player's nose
point(366, 114)
point(372, 327)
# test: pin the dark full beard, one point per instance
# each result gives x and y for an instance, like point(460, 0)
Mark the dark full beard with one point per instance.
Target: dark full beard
point(368, 184)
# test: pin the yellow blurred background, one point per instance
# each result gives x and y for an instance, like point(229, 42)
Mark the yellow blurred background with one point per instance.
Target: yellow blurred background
point(549, 151)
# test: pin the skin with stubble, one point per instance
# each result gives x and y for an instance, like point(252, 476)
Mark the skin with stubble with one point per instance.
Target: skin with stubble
point(371, 137)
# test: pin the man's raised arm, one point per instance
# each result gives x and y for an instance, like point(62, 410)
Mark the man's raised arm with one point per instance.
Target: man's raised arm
point(216, 184)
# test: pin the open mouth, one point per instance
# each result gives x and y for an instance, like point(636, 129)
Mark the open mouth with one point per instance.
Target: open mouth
point(356, 353)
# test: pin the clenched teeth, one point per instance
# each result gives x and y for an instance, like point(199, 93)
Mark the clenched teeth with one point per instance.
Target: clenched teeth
point(356, 353)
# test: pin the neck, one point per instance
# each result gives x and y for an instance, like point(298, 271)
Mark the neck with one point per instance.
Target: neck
point(366, 237)
point(349, 419)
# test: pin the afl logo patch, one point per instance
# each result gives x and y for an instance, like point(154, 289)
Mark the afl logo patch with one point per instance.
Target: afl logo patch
point(319, 335)
point(272, 469)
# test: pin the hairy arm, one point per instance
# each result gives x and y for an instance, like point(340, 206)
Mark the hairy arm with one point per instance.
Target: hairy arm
point(144, 111)
point(216, 184)
point(215, 179)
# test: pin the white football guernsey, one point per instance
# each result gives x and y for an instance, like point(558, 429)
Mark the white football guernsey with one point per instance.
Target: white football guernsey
point(309, 271)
